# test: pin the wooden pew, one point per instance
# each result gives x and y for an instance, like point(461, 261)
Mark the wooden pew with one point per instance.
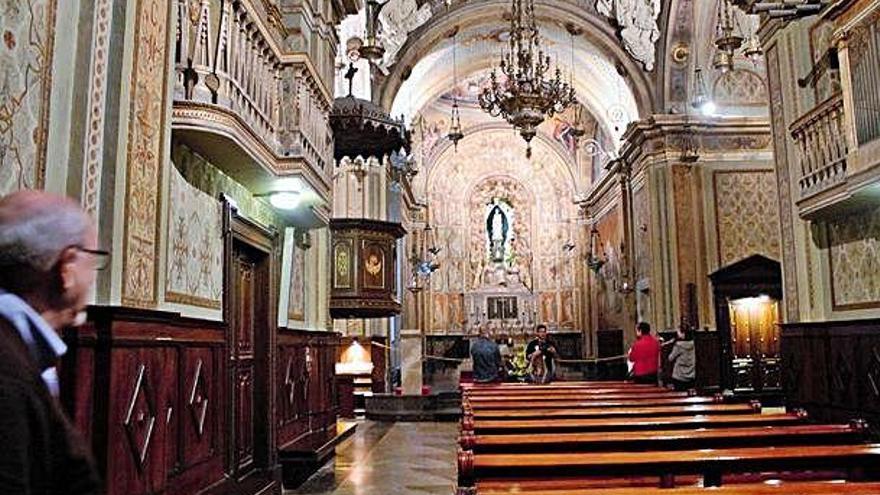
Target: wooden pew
point(492, 426)
point(579, 403)
point(560, 384)
point(709, 463)
point(835, 487)
point(612, 412)
point(665, 439)
point(552, 396)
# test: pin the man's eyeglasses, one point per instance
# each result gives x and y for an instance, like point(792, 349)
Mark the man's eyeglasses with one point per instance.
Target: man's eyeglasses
point(102, 258)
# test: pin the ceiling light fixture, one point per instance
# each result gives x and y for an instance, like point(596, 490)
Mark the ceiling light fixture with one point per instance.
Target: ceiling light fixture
point(528, 94)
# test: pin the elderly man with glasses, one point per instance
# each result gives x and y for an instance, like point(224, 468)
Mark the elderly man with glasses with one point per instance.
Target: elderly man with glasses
point(48, 258)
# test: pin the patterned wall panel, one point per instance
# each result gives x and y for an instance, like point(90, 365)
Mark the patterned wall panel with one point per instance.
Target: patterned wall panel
point(195, 246)
point(146, 154)
point(685, 230)
point(296, 309)
point(746, 215)
point(28, 28)
point(854, 253)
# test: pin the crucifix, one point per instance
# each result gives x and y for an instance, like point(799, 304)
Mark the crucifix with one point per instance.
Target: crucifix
point(349, 74)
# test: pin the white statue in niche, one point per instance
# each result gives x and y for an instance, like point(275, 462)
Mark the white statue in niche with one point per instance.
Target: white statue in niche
point(638, 26)
point(499, 230)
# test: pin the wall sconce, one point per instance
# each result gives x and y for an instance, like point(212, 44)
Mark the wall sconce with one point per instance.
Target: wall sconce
point(593, 261)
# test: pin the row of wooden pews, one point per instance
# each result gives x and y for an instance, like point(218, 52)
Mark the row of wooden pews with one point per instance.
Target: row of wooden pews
point(618, 438)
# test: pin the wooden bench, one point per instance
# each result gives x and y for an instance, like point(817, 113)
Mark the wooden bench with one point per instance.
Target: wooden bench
point(570, 403)
point(711, 464)
point(493, 426)
point(835, 487)
point(665, 439)
point(551, 396)
point(612, 412)
point(560, 384)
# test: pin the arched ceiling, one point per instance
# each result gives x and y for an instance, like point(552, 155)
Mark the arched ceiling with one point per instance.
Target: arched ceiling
point(609, 83)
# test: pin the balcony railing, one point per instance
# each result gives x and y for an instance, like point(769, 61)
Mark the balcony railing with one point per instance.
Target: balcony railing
point(822, 146)
point(227, 60)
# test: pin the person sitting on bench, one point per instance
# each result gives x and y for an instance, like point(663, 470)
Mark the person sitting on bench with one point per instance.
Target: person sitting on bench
point(683, 359)
point(645, 355)
point(486, 357)
point(541, 355)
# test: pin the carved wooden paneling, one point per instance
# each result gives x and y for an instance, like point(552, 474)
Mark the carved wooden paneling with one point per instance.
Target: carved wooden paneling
point(142, 408)
point(833, 368)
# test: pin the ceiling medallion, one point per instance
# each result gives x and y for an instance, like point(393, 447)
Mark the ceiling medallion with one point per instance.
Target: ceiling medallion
point(526, 95)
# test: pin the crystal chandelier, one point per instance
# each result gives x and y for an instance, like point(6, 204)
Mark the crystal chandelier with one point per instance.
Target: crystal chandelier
point(526, 95)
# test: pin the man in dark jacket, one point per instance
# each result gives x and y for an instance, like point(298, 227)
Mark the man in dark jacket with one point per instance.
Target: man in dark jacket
point(487, 358)
point(48, 258)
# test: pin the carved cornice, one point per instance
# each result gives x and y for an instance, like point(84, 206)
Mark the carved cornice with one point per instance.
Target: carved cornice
point(662, 134)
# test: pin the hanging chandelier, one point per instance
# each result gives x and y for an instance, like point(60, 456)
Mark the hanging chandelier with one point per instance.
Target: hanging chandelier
point(727, 41)
point(527, 94)
point(455, 133)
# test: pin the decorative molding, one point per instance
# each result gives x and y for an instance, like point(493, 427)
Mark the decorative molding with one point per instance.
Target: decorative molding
point(145, 156)
point(94, 145)
point(786, 218)
point(636, 22)
point(140, 418)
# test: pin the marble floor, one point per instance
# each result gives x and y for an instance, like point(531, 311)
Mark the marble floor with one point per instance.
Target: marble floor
point(389, 458)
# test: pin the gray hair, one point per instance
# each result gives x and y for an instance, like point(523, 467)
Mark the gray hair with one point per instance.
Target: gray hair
point(35, 228)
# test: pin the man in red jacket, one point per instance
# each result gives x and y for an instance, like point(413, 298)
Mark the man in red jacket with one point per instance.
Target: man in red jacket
point(645, 355)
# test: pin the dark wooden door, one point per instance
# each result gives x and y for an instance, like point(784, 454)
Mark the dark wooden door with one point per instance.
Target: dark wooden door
point(249, 327)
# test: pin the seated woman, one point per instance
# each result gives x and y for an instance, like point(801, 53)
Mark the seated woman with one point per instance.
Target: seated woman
point(684, 359)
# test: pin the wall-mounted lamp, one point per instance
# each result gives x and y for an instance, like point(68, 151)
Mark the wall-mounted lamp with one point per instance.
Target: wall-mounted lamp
point(286, 194)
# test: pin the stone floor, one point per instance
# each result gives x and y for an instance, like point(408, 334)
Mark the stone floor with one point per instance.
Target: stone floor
point(389, 458)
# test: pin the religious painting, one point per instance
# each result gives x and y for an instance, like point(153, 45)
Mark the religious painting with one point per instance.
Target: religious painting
point(438, 313)
point(342, 264)
point(566, 318)
point(374, 266)
point(548, 307)
point(296, 308)
point(456, 303)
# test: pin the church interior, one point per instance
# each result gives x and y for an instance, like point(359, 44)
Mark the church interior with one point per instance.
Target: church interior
point(313, 208)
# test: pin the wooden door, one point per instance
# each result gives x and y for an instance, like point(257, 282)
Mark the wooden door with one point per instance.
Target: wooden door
point(249, 327)
point(754, 334)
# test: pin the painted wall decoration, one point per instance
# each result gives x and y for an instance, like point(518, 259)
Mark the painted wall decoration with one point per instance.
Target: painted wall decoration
point(207, 178)
point(740, 87)
point(194, 271)
point(687, 227)
point(146, 154)
point(854, 253)
point(609, 302)
point(296, 308)
point(642, 234)
point(28, 29)
point(746, 215)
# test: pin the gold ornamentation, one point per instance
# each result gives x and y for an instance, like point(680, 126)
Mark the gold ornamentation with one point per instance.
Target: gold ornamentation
point(373, 265)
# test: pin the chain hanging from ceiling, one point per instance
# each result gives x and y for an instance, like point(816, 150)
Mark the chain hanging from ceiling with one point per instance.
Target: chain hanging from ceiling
point(526, 93)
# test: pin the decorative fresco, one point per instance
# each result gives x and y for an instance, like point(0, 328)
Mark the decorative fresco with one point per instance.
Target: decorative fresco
point(642, 234)
point(28, 28)
point(146, 154)
point(296, 307)
point(740, 88)
point(194, 272)
point(746, 215)
point(207, 178)
point(854, 253)
point(686, 228)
